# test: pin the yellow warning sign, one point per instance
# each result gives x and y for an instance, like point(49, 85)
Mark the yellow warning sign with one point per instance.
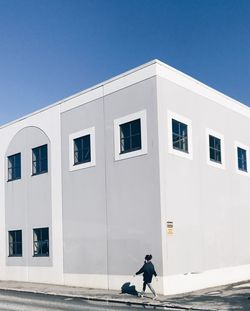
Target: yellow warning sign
point(170, 226)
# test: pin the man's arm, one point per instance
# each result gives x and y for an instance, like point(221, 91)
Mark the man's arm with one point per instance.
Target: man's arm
point(140, 271)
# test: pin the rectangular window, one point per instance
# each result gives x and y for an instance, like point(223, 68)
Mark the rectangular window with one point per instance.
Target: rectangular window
point(39, 160)
point(214, 149)
point(82, 150)
point(180, 135)
point(41, 242)
point(242, 159)
point(15, 243)
point(14, 167)
point(130, 136)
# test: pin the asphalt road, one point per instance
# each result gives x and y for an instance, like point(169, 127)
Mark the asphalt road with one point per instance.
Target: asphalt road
point(20, 301)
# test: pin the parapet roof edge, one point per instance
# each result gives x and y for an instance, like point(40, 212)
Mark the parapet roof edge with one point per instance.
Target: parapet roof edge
point(209, 88)
point(126, 73)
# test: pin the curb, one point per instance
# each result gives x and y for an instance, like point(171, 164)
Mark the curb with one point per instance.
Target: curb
point(105, 299)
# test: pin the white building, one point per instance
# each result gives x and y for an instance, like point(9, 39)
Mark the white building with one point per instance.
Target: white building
point(151, 161)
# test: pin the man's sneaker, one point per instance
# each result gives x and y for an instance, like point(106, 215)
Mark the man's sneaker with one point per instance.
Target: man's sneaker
point(155, 297)
point(140, 295)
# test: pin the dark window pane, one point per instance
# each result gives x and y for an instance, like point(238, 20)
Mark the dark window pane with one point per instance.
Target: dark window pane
point(19, 248)
point(86, 155)
point(14, 166)
point(125, 144)
point(211, 141)
point(183, 129)
point(19, 235)
point(45, 234)
point(242, 159)
point(77, 144)
point(136, 142)
point(17, 173)
point(44, 165)
point(215, 148)
point(40, 160)
point(45, 248)
point(239, 164)
point(175, 127)
point(44, 152)
point(135, 127)
point(38, 235)
point(82, 150)
point(217, 156)
point(130, 136)
point(212, 154)
point(176, 141)
point(125, 130)
point(217, 143)
point(15, 243)
point(184, 144)
point(180, 135)
point(239, 152)
point(41, 242)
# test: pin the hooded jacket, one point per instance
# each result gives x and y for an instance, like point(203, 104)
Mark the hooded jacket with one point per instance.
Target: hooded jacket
point(148, 271)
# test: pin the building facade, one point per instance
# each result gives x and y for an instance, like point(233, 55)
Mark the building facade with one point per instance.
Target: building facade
point(151, 161)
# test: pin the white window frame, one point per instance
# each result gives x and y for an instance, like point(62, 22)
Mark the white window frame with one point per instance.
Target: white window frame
point(211, 132)
point(186, 121)
point(245, 147)
point(142, 115)
point(89, 131)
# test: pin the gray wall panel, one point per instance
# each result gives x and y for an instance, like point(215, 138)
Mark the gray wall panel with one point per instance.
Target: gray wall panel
point(209, 206)
point(84, 203)
point(118, 197)
point(134, 225)
point(28, 200)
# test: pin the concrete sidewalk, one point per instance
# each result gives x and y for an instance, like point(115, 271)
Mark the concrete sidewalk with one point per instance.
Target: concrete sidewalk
point(231, 297)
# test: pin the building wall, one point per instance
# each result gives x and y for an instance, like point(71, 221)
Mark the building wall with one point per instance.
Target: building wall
point(111, 211)
point(209, 206)
point(104, 218)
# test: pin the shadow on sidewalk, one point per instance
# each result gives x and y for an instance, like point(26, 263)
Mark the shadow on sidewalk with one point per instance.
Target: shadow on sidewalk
point(127, 288)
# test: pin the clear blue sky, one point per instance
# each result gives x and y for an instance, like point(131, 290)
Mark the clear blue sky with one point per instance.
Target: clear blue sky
point(50, 49)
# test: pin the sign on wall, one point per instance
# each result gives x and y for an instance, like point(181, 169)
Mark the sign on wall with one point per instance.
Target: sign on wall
point(170, 226)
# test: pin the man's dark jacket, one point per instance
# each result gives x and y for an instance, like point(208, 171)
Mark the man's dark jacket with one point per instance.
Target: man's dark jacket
point(148, 271)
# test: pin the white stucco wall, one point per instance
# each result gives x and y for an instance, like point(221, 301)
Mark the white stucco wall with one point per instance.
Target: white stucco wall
point(208, 204)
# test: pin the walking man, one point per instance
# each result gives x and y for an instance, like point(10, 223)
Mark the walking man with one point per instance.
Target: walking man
point(148, 271)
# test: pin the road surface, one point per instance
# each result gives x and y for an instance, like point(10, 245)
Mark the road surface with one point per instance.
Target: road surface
point(21, 301)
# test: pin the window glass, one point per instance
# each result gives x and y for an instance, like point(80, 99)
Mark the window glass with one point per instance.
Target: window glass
point(125, 129)
point(14, 167)
point(15, 243)
point(130, 136)
point(41, 242)
point(82, 150)
point(40, 160)
point(180, 135)
point(242, 159)
point(214, 149)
